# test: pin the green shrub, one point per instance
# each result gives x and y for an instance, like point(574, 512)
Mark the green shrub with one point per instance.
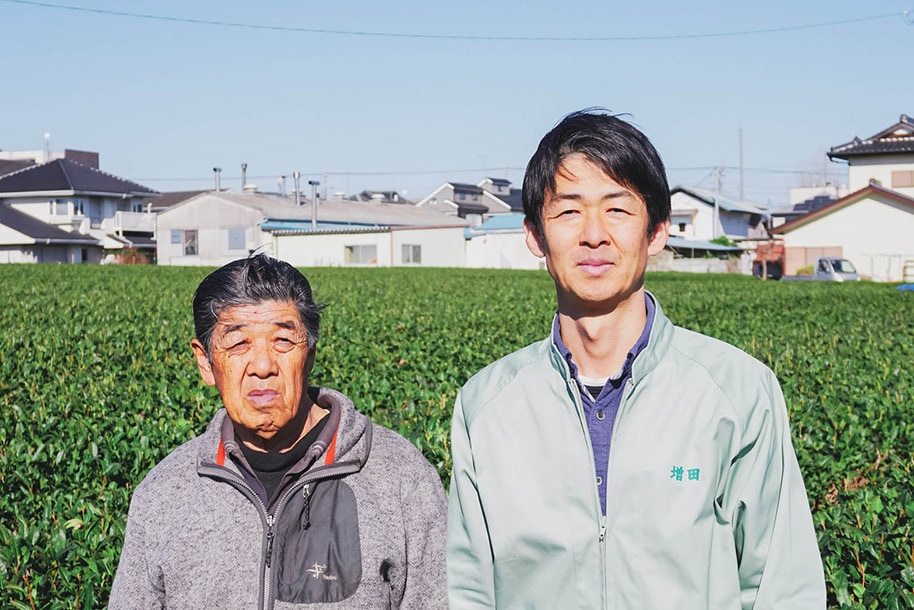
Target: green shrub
point(97, 384)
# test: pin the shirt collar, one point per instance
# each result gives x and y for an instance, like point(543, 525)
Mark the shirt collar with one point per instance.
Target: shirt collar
point(636, 349)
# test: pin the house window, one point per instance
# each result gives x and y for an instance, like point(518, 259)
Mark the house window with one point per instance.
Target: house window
point(461, 196)
point(361, 255)
point(175, 237)
point(78, 207)
point(236, 238)
point(412, 254)
point(59, 208)
point(189, 242)
point(902, 179)
point(682, 227)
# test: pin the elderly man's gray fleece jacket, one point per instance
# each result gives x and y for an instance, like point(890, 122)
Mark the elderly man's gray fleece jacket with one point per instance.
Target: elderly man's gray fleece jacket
point(358, 523)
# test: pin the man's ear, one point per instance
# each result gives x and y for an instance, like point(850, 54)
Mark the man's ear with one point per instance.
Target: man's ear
point(659, 238)
point(534, 244)
point(309, 363)
point(203, 363)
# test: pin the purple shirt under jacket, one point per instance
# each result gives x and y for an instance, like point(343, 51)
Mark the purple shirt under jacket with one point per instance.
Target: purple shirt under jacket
point(600, 414)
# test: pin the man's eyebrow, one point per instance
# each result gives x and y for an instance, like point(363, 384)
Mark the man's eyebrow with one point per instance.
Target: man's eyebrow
point(573, 196)
point(285, 324)
point(233, 327)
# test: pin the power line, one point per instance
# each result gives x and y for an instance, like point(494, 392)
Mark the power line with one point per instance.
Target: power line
point(485, 170)
point(363, 33)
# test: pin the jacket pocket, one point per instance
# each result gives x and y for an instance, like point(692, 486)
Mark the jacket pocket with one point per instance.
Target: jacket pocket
point(318, 555)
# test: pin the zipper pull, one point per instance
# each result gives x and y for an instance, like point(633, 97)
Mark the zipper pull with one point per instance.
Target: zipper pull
point(602, 528)
point(306, 513)
point(269, 557)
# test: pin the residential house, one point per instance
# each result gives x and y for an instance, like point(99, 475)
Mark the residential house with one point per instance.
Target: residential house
point(887, 158)
point(214, 228)
point(475, 202)
point(873, 225)
point(82, 200)
point(25, 239)
point(701, 214)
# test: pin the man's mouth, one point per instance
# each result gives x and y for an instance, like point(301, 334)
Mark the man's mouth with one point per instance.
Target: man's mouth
point(594, 266)
point(262, 397)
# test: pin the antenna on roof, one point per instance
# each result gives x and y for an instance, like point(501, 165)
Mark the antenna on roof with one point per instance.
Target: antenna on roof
point(314, 184)
point(296, 176)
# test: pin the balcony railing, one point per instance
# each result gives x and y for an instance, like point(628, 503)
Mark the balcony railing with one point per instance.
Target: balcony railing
point(130, 221)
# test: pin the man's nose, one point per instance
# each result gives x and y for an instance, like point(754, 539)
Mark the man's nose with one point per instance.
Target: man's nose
point(263, 361)
point(594, 231)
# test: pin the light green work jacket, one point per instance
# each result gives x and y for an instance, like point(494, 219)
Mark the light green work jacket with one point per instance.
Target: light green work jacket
point(705, 504)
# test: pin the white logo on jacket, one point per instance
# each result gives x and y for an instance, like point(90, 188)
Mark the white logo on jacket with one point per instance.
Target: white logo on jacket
point(317, 571)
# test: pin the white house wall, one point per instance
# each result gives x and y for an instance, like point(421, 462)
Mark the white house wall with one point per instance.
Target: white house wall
point(875, 235)
point(22, 254)
point(501, 251)
point(702, 217)
point(212, 219)
point(860, 173)
point(698, 216)
point(439, 247)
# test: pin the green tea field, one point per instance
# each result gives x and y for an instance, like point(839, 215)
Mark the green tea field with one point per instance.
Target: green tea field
point(97, 384)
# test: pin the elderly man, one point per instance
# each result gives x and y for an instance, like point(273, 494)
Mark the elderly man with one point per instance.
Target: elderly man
point(291, 498)
point(622, 462)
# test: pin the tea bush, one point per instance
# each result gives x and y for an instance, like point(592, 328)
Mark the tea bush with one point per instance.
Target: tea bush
point(97, 384)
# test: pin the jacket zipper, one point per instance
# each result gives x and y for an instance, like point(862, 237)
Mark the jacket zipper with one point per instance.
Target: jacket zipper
point(219, 472)
point(304, 484)
point(629, 384)
point(596, 492)
point(269, 519)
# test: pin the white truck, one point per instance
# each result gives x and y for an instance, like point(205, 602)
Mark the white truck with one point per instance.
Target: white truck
point(828, 269)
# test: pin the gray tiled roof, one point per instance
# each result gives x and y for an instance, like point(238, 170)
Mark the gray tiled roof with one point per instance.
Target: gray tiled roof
point(515, 200)
point(67, 175)
point(899, 138)
point(723, 202)
point(166, 200)
point(335, 211)
point(39, 230)
point(460, 187)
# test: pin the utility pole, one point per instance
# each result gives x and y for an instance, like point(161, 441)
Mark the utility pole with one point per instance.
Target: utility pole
point(314, 184)
point(295, 176)
point(742, 193)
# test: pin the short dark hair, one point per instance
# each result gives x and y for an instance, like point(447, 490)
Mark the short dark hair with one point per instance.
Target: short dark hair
point(615, 146)
point(250, 281)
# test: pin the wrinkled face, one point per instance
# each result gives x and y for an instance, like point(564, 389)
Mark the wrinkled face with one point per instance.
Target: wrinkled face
point(596, 243)
point(260, 365)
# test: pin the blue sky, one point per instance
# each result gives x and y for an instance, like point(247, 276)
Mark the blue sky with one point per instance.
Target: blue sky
point(166, 100)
